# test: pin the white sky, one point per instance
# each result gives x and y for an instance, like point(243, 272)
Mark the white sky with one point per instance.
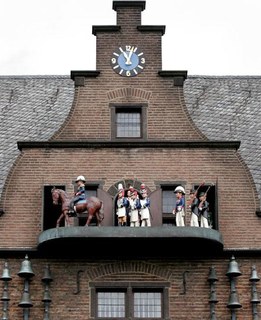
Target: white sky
point(204, 37)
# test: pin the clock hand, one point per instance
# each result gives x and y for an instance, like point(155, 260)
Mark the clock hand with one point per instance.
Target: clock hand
point(125, 56)
point(129, 57)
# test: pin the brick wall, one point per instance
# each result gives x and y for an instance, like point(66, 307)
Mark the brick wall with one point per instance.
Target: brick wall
point(185, 302)
point(23, 196)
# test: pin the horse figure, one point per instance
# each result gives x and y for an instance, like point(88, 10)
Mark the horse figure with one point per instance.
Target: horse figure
point(92, 205)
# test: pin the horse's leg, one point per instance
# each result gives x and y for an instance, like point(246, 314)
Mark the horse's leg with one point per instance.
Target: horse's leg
point(98, 218)
point(59, 220)
point(90, 216)
point(66, 218)
point(100, 215)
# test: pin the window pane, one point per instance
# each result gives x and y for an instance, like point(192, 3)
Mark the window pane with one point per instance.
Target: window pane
point(111, 304)
point(168, 201)
point(91, 192)
point(128, 124)
point(147, 305)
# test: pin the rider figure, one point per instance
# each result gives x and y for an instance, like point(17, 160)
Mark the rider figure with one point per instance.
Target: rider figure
point(80, 193)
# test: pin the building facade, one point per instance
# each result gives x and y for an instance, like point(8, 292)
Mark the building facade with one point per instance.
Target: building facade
point(130, 123)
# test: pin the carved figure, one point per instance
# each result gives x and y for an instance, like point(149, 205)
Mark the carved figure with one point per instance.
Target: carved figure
point(122, 205)
point(145, 207)
point(92, 205)
point(134, 208)
point(179, 210)
point(80, 194)
point(128, 208)
point(203, 210)
point(193, 205)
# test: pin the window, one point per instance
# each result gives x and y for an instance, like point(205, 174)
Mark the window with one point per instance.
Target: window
point(51, 212)
point(110, 304)
point(212, 199)
point(168, 204)
point(129, 122)
point(90, 191)
point(168, 200)
point(130, 300)
point(147, 304)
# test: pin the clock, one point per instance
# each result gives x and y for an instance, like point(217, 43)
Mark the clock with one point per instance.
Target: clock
point(128, 61)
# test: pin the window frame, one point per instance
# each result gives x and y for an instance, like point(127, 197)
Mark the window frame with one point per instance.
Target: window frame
point(167, 217)
point(130, 107)
point(50, 212)
point(91, 189)
point(130, 288)
point(212, 199)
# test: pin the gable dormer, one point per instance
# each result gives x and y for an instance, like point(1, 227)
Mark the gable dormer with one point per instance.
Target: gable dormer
point(129, 128)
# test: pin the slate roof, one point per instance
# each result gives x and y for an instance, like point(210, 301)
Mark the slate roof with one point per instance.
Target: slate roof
point(229, 108)
point(32, 108)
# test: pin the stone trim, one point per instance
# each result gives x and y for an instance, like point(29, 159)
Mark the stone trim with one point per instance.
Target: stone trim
point(126, 266)
point(127, 92)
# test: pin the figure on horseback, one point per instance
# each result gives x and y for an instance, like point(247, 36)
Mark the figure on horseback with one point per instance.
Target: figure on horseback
point(93, 206)
point(80, 194)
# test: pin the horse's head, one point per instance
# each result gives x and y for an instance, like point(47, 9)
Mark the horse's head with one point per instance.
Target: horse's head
point(55, 195)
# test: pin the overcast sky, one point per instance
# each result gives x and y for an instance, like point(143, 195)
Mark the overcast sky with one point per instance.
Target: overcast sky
point(204, 37)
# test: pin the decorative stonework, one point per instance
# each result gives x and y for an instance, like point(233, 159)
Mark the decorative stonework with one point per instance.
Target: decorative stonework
point(128, 267)
point(128, 92)
point(113, 190)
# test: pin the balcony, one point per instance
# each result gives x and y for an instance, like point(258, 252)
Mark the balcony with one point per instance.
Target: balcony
point(129, 242)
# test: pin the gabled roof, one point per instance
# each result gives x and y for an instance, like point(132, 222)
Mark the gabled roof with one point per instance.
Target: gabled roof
point(32, 108)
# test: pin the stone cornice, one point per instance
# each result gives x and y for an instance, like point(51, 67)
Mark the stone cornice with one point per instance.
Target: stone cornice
point(128, 144)
point(124, 4)
point(84, 73)
point(102, 28)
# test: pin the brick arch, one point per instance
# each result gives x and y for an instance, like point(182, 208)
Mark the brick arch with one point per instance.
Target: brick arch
point(113, 190)
point(129, 92)
point(124, 267)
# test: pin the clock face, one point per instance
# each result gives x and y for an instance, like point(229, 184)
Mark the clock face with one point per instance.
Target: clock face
point(128, 61)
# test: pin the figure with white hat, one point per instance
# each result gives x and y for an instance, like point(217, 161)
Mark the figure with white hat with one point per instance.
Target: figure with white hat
point(179, 210)
point(80, 193)
point(145, 207)
point(122, 205)
point(134, 208)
